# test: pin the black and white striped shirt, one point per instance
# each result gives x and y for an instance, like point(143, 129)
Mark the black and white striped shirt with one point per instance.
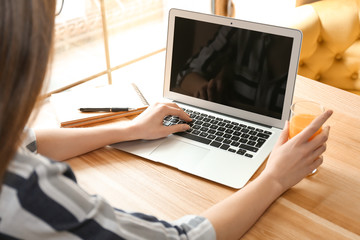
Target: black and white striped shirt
point(40, 199)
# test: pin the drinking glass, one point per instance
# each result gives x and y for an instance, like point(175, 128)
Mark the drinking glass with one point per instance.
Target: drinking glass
point(302, 114)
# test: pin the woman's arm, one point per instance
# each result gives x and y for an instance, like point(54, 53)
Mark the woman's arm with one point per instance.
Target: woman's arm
point(64, 143)
point(289, 162)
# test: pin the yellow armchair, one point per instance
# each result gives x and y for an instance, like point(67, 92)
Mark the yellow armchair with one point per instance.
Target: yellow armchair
point(331, 42)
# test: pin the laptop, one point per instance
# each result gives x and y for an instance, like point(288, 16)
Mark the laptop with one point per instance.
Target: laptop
point(236, 80)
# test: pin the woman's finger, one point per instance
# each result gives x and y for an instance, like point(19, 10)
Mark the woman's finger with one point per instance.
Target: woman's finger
point(320, 139)
point(316, 153)
point(316, 164)
point(315, 125)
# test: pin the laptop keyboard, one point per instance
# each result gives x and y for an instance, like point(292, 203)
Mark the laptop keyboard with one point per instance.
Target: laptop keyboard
point(221, 133)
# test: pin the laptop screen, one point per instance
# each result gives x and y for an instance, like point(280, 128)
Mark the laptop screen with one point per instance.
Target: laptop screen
point(231, 66)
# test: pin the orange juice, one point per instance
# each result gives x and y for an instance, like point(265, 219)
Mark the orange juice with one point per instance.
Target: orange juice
point(299, 122)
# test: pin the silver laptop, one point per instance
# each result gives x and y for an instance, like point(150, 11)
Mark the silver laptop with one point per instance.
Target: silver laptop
point(236, 80)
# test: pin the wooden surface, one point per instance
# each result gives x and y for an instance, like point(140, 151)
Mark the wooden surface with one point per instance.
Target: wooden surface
point(323, 206)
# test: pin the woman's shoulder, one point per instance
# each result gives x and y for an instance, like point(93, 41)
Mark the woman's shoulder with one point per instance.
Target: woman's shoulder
point(28, 164)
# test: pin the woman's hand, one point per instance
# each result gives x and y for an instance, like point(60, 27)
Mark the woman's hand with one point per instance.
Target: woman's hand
point(149, 124)
point(292, 160)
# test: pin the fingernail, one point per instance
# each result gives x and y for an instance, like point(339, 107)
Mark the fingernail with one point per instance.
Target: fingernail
point(186, 127)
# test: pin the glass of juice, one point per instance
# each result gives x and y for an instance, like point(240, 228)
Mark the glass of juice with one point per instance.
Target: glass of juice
point(302, 114)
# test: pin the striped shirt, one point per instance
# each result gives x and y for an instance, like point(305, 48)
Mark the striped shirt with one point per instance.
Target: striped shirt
point(40, 199)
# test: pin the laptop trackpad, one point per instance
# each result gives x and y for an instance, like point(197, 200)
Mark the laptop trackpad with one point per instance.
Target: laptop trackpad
point(179, 154)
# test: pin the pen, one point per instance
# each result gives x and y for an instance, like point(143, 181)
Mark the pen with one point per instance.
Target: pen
point(113, 109)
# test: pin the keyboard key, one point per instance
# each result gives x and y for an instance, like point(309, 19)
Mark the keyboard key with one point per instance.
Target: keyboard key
point(227, 136)
point(194, 137)
point(237, 128)
point(241, 151)
point(219, 134)
point(167, 123)
point(229, 131)
point(225, 146)
point(250, 148)
point(252, 138)
point(211, 136)
point(231, 150)
point(203, 134)
point(259, 145)
point(204, 129)
point(248, 155)
point(244, 135)
point(263, 135)
point(215, 144)
point(195, 132)
point(174, 120)
point(198, 122)
point(206, 124)
point(212, 131)
point(221, 129)
point(235, 138)
point(253, 133)
point(237, 133)
point(219, 139)
point(221, 124)
point(196, 127)
point(243, 140)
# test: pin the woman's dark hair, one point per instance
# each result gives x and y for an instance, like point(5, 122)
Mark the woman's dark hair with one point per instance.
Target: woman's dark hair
point(26, 32)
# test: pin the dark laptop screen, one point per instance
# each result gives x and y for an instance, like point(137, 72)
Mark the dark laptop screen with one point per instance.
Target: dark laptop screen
point(232, 66)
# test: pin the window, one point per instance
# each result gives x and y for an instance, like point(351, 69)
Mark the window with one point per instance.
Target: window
point(93, 38)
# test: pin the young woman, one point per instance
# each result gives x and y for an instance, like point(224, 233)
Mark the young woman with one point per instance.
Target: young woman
point(39, 197)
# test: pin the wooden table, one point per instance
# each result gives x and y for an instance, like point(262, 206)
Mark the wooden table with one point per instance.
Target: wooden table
point(324, 206)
